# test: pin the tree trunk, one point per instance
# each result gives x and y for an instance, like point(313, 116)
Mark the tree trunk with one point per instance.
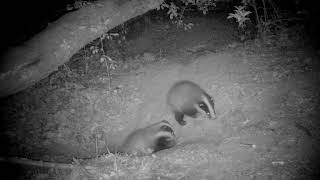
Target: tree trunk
point(35, 59)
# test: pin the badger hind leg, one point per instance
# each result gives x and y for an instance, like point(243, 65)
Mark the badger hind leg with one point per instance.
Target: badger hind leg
point(179, 118)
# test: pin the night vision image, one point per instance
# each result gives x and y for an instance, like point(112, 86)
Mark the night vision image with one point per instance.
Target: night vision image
point(160, 90)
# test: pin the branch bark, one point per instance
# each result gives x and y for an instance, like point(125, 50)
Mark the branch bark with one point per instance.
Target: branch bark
point(35, 59)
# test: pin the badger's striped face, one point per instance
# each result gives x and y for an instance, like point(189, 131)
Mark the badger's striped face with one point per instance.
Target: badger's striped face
point(150, 139)
point(165, 138)
point(207, 105)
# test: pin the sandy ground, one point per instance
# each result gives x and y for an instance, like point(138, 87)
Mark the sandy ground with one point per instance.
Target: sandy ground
point(266, 96)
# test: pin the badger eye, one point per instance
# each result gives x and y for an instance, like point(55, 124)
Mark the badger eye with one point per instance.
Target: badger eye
point(204, 108)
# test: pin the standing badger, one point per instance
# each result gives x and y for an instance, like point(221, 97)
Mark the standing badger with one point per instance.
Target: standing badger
point(188, 98)
point(153, 138)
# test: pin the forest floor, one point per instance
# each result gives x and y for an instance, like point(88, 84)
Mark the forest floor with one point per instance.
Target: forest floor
point(266, 96)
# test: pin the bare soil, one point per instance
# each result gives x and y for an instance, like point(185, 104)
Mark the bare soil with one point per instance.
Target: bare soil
point(266, 95)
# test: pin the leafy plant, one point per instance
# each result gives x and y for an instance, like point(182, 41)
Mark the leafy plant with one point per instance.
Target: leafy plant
point(266, 15)
point(267, 19)
point(241, 16)
point(176, 12)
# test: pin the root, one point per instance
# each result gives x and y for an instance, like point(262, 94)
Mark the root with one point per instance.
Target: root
point(76, 169)
point(29, 162)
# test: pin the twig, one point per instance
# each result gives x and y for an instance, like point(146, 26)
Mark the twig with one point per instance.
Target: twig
point(86, 59)
point(275, 9)
point(265, 11)
point(108, 68)
point(115, 165)
point(248, 145)
point(96, 145)
point(253, 4)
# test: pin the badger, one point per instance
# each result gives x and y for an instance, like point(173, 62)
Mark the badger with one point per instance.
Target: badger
point(150, 139)
point(187, 98)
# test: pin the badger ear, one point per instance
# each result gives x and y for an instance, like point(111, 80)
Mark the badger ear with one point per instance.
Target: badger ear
point(165, 122)
point(166, 129)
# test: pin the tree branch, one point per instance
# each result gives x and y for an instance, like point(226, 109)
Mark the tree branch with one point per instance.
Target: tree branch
point(35, 59)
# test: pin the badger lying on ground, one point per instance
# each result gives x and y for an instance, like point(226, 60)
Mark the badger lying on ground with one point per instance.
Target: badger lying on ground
point(150, 139)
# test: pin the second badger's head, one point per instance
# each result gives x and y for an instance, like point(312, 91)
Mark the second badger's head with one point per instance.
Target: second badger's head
point(165, 137)
point(150, 139)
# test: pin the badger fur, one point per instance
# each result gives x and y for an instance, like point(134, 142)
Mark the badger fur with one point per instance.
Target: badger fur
point(187, 98)
point(150, 139)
